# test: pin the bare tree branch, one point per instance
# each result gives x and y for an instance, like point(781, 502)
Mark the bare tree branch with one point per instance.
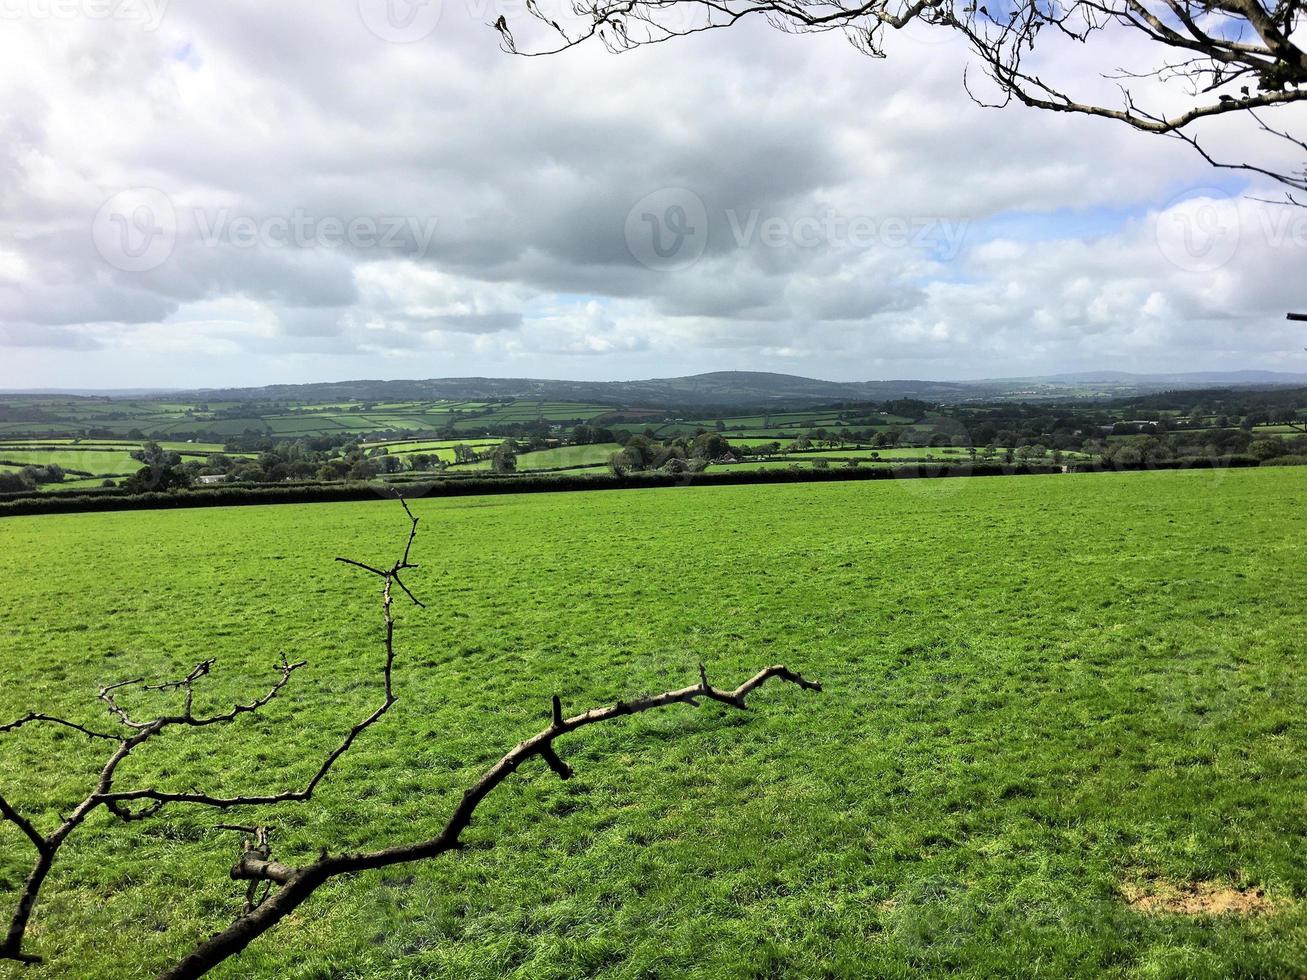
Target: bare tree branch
point(1239, 56)
point(35, 718)
point(297, 884)
point(273, 889)
point(119, 802)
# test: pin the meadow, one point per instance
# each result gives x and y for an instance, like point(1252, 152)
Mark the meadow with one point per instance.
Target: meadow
point(1047, 701)
point(283, 420)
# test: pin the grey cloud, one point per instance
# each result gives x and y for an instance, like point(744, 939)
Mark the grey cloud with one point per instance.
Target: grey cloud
point(529, 168)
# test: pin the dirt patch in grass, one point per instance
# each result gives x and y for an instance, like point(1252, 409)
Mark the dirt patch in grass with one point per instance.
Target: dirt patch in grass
point(1196, 898)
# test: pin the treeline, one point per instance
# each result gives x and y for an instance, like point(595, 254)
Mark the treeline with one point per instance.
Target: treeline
point(29, 477)
point(1229, 402)
point(227, 496)
point(1221, 443)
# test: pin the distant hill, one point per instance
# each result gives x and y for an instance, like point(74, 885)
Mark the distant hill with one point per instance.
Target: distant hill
point(1189, 379)
point(738, 389)
point(717, 388)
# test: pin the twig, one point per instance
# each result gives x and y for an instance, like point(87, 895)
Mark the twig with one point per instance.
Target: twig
point(296, 884)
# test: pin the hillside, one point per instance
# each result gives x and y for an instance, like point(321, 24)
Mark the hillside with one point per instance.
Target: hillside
point(746, 388)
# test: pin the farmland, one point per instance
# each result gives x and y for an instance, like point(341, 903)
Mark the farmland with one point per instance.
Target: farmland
point(94, 448)
point(1044, 696)
point(161, 419)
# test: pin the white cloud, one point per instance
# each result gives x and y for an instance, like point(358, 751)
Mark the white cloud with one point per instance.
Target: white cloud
point(524, 171)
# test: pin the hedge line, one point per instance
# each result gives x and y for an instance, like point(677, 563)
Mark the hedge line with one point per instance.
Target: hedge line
point(115, 498)
point(1187, 463)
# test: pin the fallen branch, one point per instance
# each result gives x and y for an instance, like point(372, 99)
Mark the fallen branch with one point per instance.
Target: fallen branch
point(274, 889)
point(297, 884)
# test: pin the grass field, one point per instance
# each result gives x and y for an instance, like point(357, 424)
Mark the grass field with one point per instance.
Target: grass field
point(549, 459)
point(1041, 693)
point(164, 419)
point(94, 461)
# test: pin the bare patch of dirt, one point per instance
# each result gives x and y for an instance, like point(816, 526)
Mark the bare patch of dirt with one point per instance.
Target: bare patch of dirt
point(1159, 897)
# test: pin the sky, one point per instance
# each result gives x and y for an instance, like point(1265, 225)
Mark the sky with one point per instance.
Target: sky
point(200, 194)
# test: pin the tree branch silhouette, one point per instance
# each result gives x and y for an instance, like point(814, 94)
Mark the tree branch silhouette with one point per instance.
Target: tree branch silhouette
point(274, 889)
point(1209, 58)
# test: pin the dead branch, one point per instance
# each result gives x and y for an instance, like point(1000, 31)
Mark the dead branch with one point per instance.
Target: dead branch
point(1213, 58)
point(139, 731)
point(274, 889)
point(296, 884)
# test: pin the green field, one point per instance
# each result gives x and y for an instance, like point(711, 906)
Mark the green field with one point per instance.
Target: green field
point(562, 458)
point(162, 420)
point(1042, 693)
point(127, 444)
point(94, 461)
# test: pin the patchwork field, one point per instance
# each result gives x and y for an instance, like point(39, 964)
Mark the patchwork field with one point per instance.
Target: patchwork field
point(1062, 719)
point(562, 458)
point(288, 421)
point(97, 462)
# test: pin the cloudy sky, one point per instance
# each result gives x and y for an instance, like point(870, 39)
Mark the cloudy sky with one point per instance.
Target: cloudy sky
point(239, 193)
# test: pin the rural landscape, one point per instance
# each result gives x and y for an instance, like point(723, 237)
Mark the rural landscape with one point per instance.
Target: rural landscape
point(1060, 703)
point(653, 490)
point(98, 452)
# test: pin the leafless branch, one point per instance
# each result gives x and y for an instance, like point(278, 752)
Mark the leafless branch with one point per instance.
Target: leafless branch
point(35, 718)
point(295, 884)
point(139, 731)
point(273, 889)
point(1224, 57)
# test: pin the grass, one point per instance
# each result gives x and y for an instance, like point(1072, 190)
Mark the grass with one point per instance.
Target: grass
point(98, 462)
point(193, 448)
point(1039, 692)
point(548, 459)
point(177, 420)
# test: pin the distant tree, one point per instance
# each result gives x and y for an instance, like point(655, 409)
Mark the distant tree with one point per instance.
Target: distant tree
point(619, 463)
point(15, 482)
point(504, 459)
point(1266, 448)
point(39, 475)
point(249, 472)
point(362, 470)
point(711, 446)
point(162, 471)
